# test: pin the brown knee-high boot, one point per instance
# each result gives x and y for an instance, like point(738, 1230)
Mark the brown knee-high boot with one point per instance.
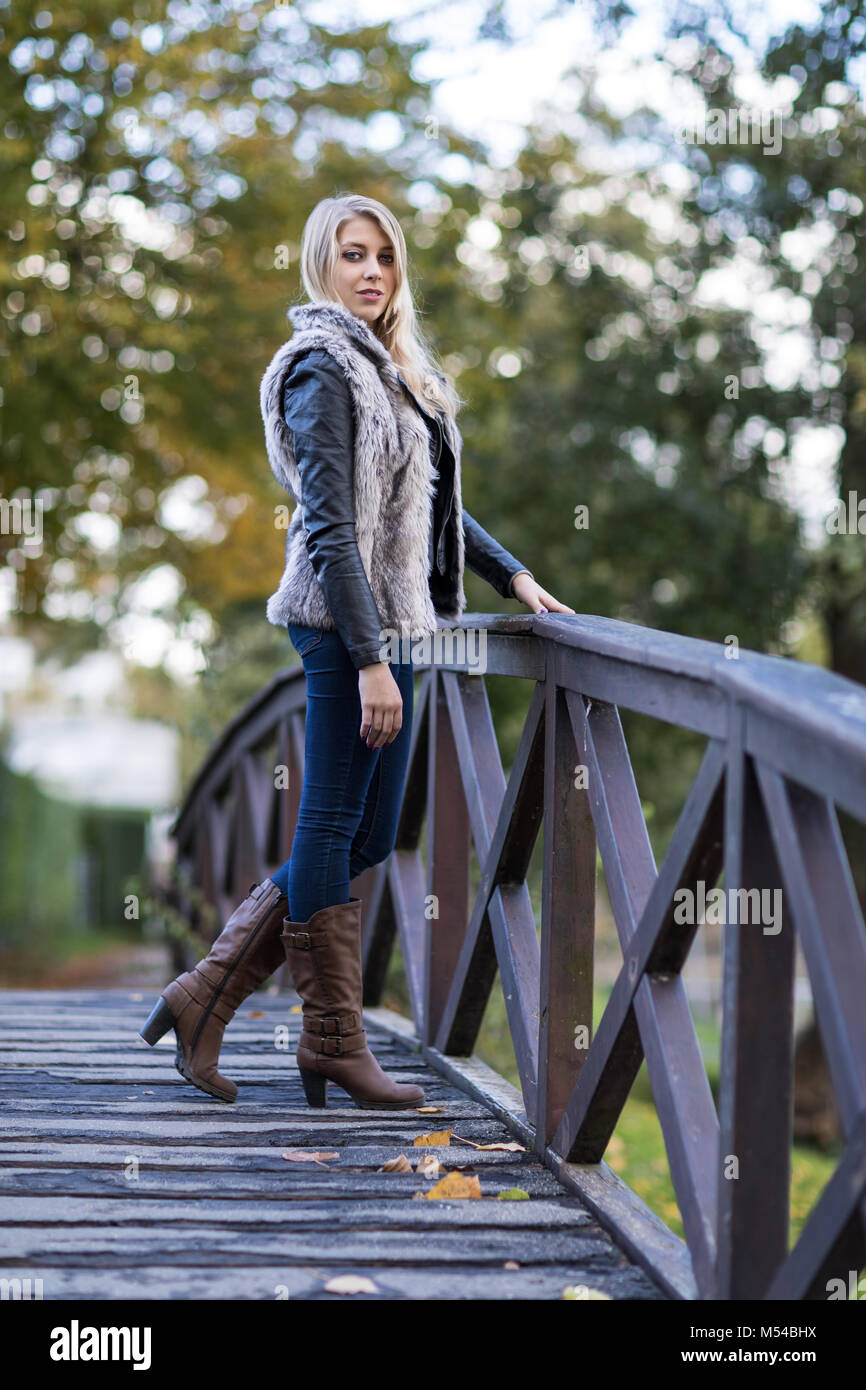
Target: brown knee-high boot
point(324, 956)
point(199, 1003)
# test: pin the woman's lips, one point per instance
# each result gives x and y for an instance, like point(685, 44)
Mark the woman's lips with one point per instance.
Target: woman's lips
point(370, 294)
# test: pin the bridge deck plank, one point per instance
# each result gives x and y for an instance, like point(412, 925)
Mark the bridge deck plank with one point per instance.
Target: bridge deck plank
point(119, 1180)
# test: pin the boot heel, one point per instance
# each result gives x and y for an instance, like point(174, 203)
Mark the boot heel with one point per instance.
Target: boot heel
point(315, 1088)
point(160, 1020)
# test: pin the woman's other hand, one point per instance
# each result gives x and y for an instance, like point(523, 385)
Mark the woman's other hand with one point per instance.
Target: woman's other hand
point(539, 600)
point(381, 704)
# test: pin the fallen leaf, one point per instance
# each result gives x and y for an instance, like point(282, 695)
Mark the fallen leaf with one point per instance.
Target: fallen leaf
point(512, 1194)
point(351, 1283)
point(256, 1013)
point(296, 1009)
point(400, 1164)
point(439, 1136)
point(454, 1185)
point(428, 1166)
point(306, 1156)
point(428, 1109)
point(137, 997)
point(511, 1264)
point(581, 1291)
point(148, 1093)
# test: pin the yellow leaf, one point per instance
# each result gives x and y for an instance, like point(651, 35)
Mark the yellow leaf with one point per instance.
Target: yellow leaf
point(439, 1136)
point(511, 1264)
point(428, 1109)
point(455, 1185)
point(296, 1009)
point(400, 1164)
point(512, 1194)
point(256, 1013)
point(351, 1283)
point(428, 1166)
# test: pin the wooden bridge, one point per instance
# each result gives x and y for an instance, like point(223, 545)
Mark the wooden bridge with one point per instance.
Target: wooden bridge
point(120, 1181)
point(785, 751)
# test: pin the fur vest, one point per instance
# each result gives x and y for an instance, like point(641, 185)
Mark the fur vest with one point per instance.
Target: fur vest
point(394, 481)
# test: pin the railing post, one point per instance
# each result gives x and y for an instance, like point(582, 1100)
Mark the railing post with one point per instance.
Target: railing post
point(289, 756)
point(567, 916)
point(448, 848)
point(249, 822)
point(756, 1100)
point(212, 848)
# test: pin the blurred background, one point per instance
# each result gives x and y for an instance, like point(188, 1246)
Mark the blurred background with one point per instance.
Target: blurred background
point(654, 312)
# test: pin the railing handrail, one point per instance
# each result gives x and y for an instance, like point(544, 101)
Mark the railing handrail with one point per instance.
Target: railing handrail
point(755, 678)
point(806, 697)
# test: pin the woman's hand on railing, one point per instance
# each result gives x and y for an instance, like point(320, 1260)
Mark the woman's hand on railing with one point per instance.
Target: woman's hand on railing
point(381, 704)
point(539, 600)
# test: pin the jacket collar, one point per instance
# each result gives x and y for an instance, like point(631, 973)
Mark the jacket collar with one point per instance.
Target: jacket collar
point(333, 315)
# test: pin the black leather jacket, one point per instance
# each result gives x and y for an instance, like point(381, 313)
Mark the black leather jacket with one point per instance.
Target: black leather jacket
point(317, 407)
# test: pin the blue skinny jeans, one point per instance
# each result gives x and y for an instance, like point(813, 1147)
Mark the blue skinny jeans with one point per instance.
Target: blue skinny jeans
point(351, 794)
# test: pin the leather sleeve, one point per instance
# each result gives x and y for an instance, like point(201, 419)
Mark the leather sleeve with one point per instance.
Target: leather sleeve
point(488, 559)
point(317, 407)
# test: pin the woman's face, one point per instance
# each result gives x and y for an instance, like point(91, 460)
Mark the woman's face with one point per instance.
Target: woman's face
point(366, 275)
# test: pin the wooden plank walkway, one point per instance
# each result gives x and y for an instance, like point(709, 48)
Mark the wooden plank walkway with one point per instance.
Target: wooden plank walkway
point(119, 1180)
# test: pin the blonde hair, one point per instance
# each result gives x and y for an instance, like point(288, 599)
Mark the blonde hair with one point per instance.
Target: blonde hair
point(397, 328)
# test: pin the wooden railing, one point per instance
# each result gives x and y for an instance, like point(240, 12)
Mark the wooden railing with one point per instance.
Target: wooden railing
point(786, 746)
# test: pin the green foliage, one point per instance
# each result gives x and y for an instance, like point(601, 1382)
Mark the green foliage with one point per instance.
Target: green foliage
point(177, 910)
point(41, 843)
point(61, 874)
point(135, 348)
point(163, 385)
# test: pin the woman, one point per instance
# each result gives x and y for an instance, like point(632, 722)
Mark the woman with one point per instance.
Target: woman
point(360, 429)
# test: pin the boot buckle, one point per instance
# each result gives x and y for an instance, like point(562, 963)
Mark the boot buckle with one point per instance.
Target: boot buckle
point(336, 1030)
point(332, 1047)
point(301, 940)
